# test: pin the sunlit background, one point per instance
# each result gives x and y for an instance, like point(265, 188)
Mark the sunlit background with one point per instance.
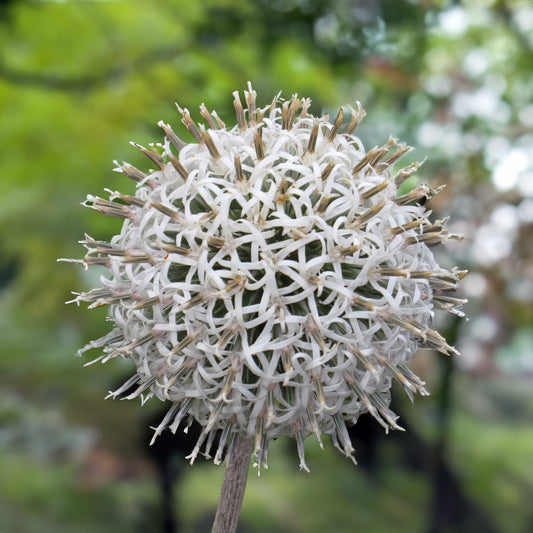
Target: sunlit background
point(81, 78)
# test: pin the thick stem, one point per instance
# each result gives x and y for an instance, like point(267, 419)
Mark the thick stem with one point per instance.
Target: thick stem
point(232, 491)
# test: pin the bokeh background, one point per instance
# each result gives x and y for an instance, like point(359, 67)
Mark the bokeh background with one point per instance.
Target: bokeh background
point(81, 78)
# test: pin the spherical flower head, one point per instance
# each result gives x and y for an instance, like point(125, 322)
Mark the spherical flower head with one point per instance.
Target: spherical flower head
point(268, 279)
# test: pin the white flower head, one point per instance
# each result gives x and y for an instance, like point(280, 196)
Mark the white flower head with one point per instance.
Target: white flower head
point(268, 279)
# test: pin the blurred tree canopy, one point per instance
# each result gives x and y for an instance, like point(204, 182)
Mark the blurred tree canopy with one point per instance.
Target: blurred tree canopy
point(81, 78)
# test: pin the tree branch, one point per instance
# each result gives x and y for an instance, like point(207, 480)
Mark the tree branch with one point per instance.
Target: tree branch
point(87, 83)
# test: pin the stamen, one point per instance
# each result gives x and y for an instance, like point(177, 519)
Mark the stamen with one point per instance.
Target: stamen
point(195, 300)
point(319, 391)
point(327, 171)
point(226, 336)
point(205, 113)
point(285, 116)
point(258, 143)
point(173, 249)
point(208, 140)
point(102, 261)
point(401, 149)
point(413, 378)
point(142, 387)
point(314, 425)
point(178, 348)
point(186, 405)
point(301, 453)
point(344, 438)
point(241, 120)
point(450, 304)
point(270, 417)
point(429, 337)
point(430, 239)
point(108, 208)
point(385, 412)
point(215, 413)
point(138, 342)
point(363, 359)
point(286, 354)
point(403, 380)
point(222, 442)
point(363, 397)
point(438, 225)
point(392, 272)
point(189, 124)
point(345, 251)
point(178, 166)
point(422, 274)
point(114, 252)
point(209, 444)
point(134, 256)
point(374, 190)
point(368, 215)
point(396, 230)
point(336, 125)
point(154, 156)
point(322, 205)
point(130, 171)
point(126, 198)
point(124, 387)
point(239, 175)
point(192, 456)
point(220, 124)
point(356, 118)
point(163, 424)
point(312, 329)
point(250, 97)
point(226, 388)
point(363, 303)
point(171, 136)
point(274, 103)
point(367, 159)
point(238, 282)
point(216, 242)
point(258, 439)
point(165, 209)
point(294, 106)
point(373, 156)
point(306, 104)
point(313, 137)
point(145, 303)
point(208, 217)
point(406, 172)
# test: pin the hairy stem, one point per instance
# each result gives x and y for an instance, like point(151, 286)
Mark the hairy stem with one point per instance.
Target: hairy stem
point(232, 491)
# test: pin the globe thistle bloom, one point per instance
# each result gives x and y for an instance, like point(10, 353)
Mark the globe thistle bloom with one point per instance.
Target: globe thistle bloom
point(268, 279)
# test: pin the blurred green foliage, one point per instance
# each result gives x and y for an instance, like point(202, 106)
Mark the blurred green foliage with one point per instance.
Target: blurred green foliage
point(81, 78)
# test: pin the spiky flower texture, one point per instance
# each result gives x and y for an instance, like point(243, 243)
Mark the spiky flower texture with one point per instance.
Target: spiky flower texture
point(268, 279)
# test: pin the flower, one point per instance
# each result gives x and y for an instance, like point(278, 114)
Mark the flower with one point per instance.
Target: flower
point(268, 279)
